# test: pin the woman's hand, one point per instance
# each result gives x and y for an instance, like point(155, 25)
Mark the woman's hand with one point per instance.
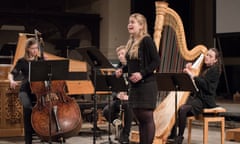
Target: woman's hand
point(189, 72)
point(122, 96)
point(135, 77)
point(118, 73)
point(189, 65)
point(45, 57)
point(13, 84)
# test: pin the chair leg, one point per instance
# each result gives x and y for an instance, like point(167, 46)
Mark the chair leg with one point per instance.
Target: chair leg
point(189, 130)
point(206, 120)
point(205, 131)
point(222, 130)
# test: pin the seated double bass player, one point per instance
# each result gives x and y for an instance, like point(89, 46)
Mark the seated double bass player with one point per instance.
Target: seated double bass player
point(55, 115)
point(25, 95)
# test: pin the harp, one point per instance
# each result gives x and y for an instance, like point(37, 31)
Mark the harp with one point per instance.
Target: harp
point(170, 40)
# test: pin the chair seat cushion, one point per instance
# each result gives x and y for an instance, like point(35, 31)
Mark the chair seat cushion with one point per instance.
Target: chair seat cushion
point(214, 110)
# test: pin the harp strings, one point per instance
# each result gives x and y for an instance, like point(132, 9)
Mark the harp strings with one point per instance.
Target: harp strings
point(171, 59)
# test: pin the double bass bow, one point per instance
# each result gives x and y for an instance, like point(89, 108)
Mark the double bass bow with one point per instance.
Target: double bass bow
point(55, 116)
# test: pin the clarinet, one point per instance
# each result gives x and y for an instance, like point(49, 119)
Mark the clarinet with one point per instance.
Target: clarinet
point(118, 122)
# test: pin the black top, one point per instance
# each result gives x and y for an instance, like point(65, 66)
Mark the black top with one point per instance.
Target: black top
point(148, 60)
point(22, 68)
point(133, 66)
point(143, 94)
point(123, 67)
point(207, 83)
point(148, 57)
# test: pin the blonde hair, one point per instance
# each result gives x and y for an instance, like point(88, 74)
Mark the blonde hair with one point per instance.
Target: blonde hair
point(132, 46)
point(29, 43)
point(121, 47)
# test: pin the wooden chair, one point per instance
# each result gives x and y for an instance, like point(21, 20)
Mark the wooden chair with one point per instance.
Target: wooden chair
point(209, 115)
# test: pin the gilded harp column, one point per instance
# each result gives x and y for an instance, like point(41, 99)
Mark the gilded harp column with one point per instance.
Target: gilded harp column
point(159, 22)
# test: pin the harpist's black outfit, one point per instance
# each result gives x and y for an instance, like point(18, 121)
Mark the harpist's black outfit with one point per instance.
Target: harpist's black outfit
point(25, 96)
point(207, 84)
point(143, 94)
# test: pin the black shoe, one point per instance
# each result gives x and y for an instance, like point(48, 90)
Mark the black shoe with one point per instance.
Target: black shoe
point(124, 138)
point(171, 139)
point(179, 139)
point(28, 138)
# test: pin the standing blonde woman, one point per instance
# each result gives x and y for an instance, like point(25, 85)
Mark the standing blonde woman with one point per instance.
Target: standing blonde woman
point(142, 60)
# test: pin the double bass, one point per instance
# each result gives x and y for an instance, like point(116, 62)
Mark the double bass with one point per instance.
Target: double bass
point(55, 115)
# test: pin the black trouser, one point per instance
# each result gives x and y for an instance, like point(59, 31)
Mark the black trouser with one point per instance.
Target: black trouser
point(114, 108)
point(26, 100)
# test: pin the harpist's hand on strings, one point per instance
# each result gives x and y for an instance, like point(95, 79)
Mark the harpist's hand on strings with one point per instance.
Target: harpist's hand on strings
point(118, 73)
point(13, 84)
point(188, 71)
point(189, 65)
point(135, 77)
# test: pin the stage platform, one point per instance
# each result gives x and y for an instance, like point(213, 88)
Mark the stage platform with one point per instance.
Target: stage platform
point(86, 137)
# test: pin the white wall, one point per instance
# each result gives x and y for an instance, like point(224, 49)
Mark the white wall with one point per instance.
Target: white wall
point(227, 16)
point(113, 30)
point(113, 26)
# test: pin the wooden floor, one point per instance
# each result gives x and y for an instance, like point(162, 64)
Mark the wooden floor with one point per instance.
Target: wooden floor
point(86, 136)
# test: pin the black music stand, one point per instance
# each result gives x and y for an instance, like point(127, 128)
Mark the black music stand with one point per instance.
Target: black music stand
point(48, 71)
point(53, 69)
point(97, 61)
point(175, 82)
point(110, 83)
